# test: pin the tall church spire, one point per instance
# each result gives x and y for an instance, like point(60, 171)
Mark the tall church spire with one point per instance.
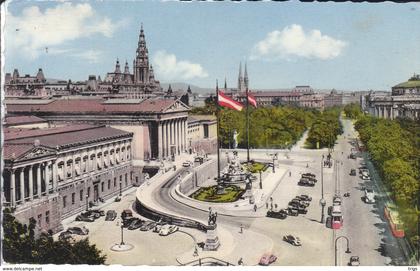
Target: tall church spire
point(240, 79)
point(246, 81)
point(141, 63)
point(117, 67)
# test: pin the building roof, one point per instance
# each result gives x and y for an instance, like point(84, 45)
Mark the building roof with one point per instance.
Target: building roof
point(96, 106)
point(201, 118)
point(21, 120)
point(21, 141)
point(413, 82)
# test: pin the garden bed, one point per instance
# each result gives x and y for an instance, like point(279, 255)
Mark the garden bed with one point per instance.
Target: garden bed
point(232, 193)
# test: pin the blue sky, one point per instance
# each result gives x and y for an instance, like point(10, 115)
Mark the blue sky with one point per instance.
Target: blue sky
point(344, 46)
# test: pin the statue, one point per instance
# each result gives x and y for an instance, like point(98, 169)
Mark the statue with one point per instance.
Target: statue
point(235, 139)
point(212, 217)
point(248, 182)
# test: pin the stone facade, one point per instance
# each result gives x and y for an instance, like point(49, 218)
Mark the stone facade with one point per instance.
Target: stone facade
point(403, 101)
point(202, 134)
point(51, 174)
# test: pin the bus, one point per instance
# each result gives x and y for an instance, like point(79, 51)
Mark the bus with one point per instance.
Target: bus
point(336, 217)
point(391, 214)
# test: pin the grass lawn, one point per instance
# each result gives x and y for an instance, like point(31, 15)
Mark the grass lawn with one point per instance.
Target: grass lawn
point(256, 167)
point(231, 194)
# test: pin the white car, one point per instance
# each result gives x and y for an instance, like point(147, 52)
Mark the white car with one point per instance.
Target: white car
point(369, 195)
point(167, 229)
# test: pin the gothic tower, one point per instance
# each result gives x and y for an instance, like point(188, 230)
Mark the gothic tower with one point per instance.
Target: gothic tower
point(141, 63)
point(240, 79)
point(246, 78)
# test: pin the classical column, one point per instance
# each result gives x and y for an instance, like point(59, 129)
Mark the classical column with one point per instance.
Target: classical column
point(164, 147)
point(22, 184)
point(55, 176)
point(47, 177)
point(12, 188)
point(73, 162)
point(31, 183)
point(177, 133)
point(160, 149)
point(167, 139)
point(38, 180)
point(185, 133)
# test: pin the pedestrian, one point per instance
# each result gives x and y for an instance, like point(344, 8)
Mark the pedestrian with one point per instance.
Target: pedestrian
point(266, 205)
point(271, 206)
point(307, 165)
point(290, 174)
point(118, 221)
point(195, 252)
point(255, 207)
point(240, 262)
point(242, 229)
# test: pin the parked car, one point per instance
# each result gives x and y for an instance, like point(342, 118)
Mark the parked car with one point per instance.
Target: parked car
point(187, 164)
point(352, 156)
point(352, 172)
point(296, 204)
point(292, 212)
point(302, 210)
point(300, 201)
point(292, 240)
point(127, 213)
point(65, 235)
point(117, 199)
point(308, 174)
point(135, 224)
point(306, 182)
point(167, 229)
point(127, 222)
point(369, 195)
point(78, 230)
point(97, 213)
point(305, 197)
point(267, 259)
point(110, 215)
point(281, 214)
point(354, 261)
point(85, 218)
point(148, 225)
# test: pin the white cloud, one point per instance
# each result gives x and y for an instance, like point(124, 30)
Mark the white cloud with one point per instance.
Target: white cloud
point(34, 30)
point(169, 68)
point(92, 56)
point(294, 41)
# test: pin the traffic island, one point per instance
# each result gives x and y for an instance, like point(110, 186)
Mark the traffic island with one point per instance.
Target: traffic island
point(122, 247)
point(231, 193)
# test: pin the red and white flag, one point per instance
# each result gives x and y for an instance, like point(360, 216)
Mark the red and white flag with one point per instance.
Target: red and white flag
point(252, 101)
point(226, 101)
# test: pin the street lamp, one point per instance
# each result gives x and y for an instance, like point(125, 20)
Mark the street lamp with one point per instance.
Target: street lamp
point(335, 246)
point(260, 179)
point(322, 201)
point(87, 202)
point(122, 235)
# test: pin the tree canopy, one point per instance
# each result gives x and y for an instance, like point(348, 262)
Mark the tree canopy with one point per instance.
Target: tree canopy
point(21, 246)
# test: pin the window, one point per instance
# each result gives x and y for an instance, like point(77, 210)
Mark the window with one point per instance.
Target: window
point(102, 186)
point(120, 178)
point(40, 220)
point(88, 192)
point(64, 201)
point(109, 184)
point(126, 178)
point(73, 198)
point(47, 217)
point(81, 195)
point(115, 181)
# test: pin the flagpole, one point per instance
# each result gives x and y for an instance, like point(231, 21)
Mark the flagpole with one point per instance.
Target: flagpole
point(247, 126)
point(218, 140)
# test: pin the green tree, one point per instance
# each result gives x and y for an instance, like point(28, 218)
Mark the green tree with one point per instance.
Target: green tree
point(21, 246)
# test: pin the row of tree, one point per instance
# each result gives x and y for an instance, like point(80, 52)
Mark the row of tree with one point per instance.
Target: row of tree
point(20, 245)
point(394, 146)
point(325, 129)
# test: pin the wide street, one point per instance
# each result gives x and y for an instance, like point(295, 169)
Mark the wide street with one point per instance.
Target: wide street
point(368, 233)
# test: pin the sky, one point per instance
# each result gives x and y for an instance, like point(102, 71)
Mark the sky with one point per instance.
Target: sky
point(325, 45)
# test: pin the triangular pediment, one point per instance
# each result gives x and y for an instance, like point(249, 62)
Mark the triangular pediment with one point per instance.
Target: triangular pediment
point(36, 152)
point(177, 106)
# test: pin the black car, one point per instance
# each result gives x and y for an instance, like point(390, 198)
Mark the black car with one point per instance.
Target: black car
point(310, 175)
point(292, 211)
point(64, 235)
point(135, 224)
point(85, 217)
point(306, 182)
point(98, 213)
point(302, 210)
point(280, 214)
point(292, 240)
point(111, 215)
point(352, 156)
point(148, 225)
point(352, 172)
point(301, 202)
point(305, 198)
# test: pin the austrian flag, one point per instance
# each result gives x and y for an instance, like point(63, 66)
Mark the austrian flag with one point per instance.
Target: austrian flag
point(252, 101)
point(225, 101)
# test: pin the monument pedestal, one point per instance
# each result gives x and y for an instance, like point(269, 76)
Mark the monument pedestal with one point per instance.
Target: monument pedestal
point(212, 240)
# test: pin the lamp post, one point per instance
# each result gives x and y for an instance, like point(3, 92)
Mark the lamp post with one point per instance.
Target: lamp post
point(122, 235)
point(322, 201)
point(260, 179)
point(87, 202)
point(120, 189)
point(335, 247)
